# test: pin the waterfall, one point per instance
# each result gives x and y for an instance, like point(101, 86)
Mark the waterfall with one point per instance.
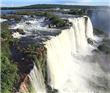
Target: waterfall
point(37, 81)
point(72, 67)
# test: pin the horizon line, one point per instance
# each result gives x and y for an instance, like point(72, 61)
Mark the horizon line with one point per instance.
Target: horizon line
point(75, 4)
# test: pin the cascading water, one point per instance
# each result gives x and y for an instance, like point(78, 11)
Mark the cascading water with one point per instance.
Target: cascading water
point(71, 65)
point(37, 81)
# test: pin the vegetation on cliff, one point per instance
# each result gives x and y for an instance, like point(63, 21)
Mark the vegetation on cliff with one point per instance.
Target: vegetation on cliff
point(9, 71)
point(34, 53)
point(77, 12)
point(30, 54)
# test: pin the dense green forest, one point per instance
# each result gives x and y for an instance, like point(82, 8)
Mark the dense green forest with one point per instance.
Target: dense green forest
point(9, 70)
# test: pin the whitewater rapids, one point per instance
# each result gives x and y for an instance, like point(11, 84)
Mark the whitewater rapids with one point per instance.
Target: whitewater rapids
point(72, 68)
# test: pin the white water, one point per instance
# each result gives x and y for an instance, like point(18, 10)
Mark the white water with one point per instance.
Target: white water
point(34, 24)
point(72, 68)
point(37, 81)
point(2, 20)
point(17, 35)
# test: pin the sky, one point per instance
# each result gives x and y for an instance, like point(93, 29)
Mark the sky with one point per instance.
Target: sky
point(66, 2)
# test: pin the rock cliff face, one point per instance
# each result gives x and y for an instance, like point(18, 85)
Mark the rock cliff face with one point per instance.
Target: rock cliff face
point(31, 60)
point(24, 85)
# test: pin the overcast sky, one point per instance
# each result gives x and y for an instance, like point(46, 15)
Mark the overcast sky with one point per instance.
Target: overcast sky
point(69, 2)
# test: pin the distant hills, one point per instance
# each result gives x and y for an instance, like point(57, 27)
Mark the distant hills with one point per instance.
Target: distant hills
point(50, 6)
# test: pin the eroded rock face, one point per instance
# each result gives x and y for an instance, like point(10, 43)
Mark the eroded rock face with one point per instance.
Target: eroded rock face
point(24, 86)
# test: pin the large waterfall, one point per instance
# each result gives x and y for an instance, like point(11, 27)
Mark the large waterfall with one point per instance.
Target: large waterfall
point(72, 68)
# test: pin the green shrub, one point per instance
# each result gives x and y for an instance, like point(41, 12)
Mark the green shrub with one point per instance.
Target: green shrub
point(9, 75)
point(77, 11)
